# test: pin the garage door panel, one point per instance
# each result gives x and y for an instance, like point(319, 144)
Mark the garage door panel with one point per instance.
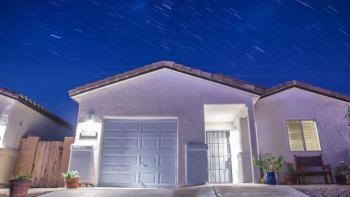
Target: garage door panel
point(132, 126)
point(113, 142)
point(148, 161)
point(118, 134)
point(120, 178)
point(167, 161)
point(149, 143)
point(150, 126)
point(117, 168)
point(139, 153)
point(167, 143)
point(167, 179)
point(130, 142)
point(168, 126)
point(148, 178)
point(120, 159)
point(114, 125)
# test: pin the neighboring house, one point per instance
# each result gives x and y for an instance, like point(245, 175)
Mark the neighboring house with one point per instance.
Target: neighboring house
point(21, 117)
point(149, 127)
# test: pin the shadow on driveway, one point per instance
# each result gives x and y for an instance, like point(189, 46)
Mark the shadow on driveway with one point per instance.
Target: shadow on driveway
point(242, 190)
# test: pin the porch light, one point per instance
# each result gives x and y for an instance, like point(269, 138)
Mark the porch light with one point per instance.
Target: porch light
point(89, 128)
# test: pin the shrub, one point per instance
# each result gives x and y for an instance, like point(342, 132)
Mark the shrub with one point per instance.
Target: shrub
point(341, 168)
point(21, 176)
point(269, 163)
point(291, 171)
point(347, 115)
point(70, 174)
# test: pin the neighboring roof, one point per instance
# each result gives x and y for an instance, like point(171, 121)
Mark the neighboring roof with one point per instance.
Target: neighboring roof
point(221, 79)
point(35, 106)
point(305, 86)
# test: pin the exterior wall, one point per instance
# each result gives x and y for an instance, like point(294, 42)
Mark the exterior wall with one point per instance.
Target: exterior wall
point(272, 112)
point(162, 93)
point(8, 159)
point(24, 121)
point(6, 106)
point(17, 121)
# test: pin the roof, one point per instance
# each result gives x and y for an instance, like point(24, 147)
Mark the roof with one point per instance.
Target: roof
point(217, 78)
point(35, 106)
point(307, 87)
point(221, 79)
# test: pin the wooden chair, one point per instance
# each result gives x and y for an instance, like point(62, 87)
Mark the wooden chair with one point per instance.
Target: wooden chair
point(304, 165)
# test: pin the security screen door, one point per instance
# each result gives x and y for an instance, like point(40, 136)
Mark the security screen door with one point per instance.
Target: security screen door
point(219, 157)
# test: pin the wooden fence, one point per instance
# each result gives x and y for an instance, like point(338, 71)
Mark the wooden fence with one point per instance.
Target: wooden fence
point(44, 160)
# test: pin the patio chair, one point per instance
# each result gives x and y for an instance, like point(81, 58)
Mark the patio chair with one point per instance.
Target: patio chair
point(312, 166)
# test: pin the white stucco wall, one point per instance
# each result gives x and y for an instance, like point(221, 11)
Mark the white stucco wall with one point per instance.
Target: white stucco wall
point(161, 93)
point(22, 121)
point(6, 106)
point(272, 112)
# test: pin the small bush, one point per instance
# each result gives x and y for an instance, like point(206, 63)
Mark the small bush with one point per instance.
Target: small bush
point(269, 163)
point(21, 176)
point(341, 168)
point(70, 174)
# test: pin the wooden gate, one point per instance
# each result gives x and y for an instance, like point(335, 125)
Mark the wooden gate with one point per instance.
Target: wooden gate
point(44, 160)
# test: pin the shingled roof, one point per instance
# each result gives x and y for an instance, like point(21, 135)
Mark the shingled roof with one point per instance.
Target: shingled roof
point(35, 106)
point(305, 86)
point(217, 78)
point(221, 79)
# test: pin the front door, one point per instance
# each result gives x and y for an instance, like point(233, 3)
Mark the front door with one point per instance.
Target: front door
point(219, 157)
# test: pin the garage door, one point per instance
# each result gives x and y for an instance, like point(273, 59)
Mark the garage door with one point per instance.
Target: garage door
point(139, 153)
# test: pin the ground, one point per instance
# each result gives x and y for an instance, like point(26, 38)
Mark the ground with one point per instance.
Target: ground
point(251, 190)
point(324, 190)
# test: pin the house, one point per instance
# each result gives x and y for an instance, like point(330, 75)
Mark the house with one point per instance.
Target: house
point(168, 125)
point(21, 117)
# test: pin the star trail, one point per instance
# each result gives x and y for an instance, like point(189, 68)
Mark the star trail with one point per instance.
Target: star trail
point(49, 47)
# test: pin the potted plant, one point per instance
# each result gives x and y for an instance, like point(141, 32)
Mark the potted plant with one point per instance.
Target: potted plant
point(71, 179)
point(20, 184)
point(347, 115)
point(290, 177)
point(270, 165)
point(340, 173)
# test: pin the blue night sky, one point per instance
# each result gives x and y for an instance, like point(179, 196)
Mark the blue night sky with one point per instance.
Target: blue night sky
point(49, 47)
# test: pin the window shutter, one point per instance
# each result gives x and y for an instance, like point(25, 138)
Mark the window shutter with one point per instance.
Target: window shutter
point(295, 136)
point(311, 136)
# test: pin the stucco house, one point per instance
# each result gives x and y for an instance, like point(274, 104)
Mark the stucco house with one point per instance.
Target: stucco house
point(168, 125)
point(21, 117)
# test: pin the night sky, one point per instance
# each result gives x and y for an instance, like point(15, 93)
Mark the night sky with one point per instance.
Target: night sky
point(49, 47)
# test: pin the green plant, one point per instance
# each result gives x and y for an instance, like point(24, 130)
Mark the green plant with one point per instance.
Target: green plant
point(341, 168)
point(21, 176)
point(347, 115)
point(269, 163)
point(291, 171)
point(70, 174)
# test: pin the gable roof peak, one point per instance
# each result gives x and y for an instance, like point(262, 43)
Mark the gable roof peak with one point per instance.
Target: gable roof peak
point(34, 106)
point(217, 78)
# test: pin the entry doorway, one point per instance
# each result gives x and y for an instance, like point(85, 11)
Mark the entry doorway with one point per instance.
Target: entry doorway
point(219, 156)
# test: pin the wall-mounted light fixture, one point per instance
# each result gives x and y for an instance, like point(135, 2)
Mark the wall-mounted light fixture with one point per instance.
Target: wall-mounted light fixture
point(89, 129)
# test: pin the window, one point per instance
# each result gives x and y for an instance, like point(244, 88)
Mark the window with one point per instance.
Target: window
point(303, 135)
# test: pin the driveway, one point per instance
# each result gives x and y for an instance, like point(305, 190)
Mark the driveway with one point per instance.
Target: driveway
point(251, 190)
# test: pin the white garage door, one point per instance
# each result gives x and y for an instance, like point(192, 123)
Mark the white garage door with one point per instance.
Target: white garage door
point(139, 153)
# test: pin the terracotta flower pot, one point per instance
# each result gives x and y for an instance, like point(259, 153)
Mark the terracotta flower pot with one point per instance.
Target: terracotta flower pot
point(340, 179)
point(19, 188)
point(72, 182)
point(290, 180)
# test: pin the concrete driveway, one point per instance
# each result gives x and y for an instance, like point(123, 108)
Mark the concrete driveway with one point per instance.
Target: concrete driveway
point(251, 190)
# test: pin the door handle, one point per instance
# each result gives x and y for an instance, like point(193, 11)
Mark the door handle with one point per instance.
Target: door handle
point(143, 164)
